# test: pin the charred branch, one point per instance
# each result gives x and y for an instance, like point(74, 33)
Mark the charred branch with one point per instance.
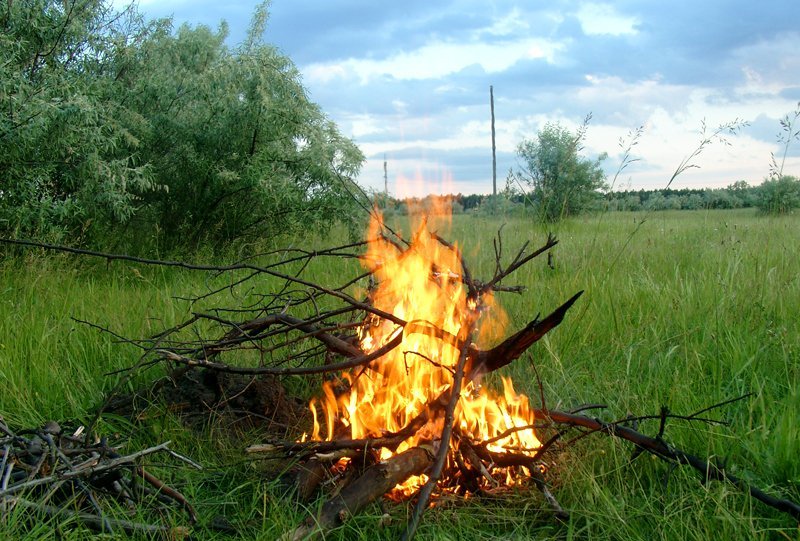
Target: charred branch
point(514, 346)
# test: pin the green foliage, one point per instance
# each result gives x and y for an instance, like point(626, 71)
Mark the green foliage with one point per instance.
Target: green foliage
point(67, 152)
point(737, 195)
point(236, 141)
point(502, 204)
point(779, 195)
point(123, 130)
point(563, 183)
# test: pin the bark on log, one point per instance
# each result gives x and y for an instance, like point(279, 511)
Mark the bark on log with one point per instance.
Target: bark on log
point(373, 483)
point(309, 476)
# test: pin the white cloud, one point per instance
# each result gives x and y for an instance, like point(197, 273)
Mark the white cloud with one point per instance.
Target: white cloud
point(324, 73)
point(361, 125)
point(599, 19)
point(507, 25)
point(437, 60)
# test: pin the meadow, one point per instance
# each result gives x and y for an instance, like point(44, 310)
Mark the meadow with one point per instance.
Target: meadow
point(682, 309)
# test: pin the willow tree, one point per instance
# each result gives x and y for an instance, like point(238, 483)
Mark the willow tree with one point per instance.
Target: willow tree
point(134, 131)
point(67, 152)
point(236, 145)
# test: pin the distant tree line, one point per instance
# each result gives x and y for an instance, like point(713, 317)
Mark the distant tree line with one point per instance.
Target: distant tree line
point(737, 195)
point(772, 196)
point(117, 130)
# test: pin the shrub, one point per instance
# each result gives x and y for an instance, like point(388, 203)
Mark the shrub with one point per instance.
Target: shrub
point(779, 195)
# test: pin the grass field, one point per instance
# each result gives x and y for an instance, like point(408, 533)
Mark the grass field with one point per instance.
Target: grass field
point(684, 309)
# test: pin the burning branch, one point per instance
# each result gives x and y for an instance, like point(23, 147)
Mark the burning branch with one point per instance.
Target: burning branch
point(514, 346)
point(444, 441)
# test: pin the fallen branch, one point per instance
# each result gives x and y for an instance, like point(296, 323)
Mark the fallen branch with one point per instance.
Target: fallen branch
point(661, 449)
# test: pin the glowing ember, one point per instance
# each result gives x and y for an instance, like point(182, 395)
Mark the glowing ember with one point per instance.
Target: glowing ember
point(422, 285)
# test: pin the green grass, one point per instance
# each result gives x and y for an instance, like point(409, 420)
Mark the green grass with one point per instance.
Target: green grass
point(684, 310)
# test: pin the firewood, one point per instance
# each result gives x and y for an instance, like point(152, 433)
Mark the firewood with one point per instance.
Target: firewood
point(310, 475)
point(376, 481)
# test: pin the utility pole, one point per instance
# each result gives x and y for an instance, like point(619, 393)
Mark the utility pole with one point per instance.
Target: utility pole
point(385, 176)
point(494, 147)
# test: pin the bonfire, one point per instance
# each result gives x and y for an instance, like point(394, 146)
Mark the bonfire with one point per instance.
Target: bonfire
point(413, 418)
point(424, 285)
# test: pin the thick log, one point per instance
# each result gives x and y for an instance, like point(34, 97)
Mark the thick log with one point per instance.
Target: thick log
point(309, 476)
point(376, 481)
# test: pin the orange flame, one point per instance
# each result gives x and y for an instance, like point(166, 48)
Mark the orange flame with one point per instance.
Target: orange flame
point(422, 285)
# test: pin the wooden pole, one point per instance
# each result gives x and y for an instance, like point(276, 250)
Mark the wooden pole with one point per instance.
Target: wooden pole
point(494, 147)
point(385, 176)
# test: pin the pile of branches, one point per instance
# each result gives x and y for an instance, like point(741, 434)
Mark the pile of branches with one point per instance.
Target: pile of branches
point(305, 329)
point(67, 476)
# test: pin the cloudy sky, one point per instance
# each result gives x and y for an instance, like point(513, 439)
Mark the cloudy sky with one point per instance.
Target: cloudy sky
point(410, 80)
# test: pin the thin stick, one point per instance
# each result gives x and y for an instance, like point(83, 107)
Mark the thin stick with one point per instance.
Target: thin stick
point(222, 367)
point(86, 471)
point(444, 445)
point(519, 260)
point(541, 484)
point(170, 492)
point(209, 268)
